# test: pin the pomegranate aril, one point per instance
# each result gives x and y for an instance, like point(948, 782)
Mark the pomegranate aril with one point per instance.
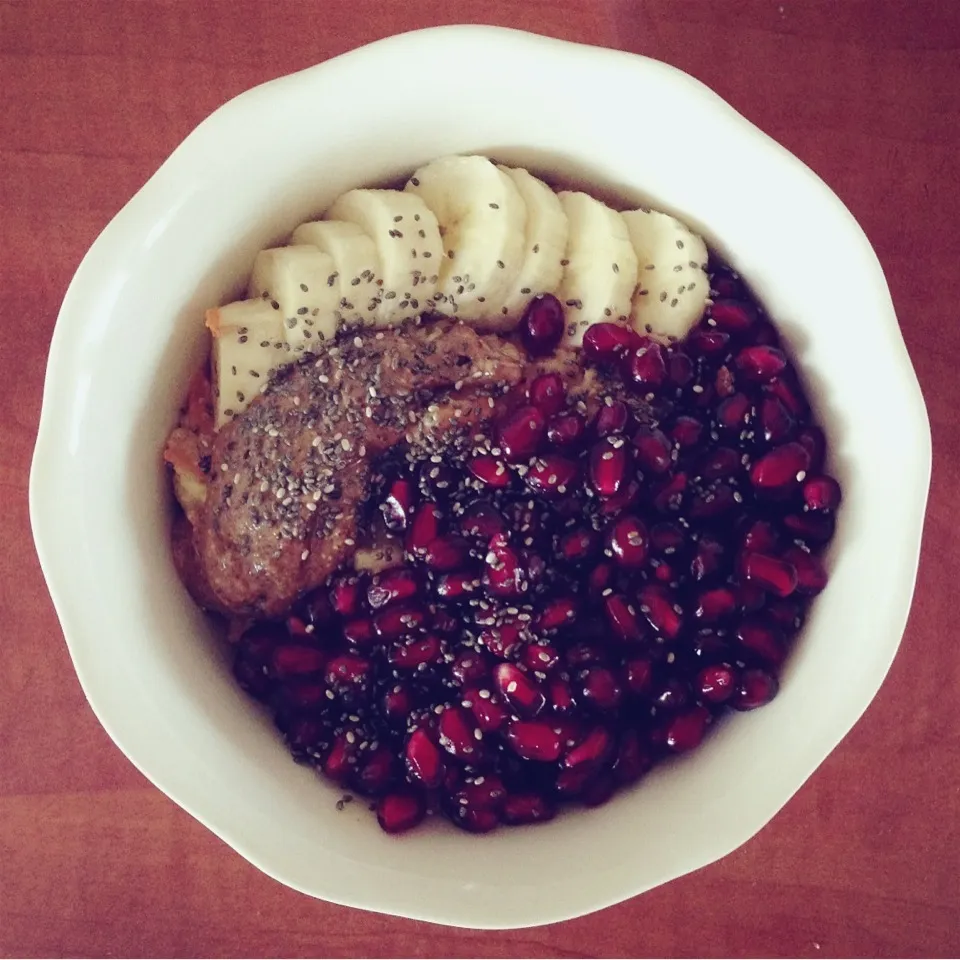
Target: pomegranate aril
point(756, 688)
point(598, 790)
point(583, 653)
point(474, 819)
point(612, 418)
point(646, 367)
point(502, 573)
point(622, 617)
point(811, 575)
point(413, 653)
point(638, 676)
point(534, 740)
point(788, 392)
point(392, 586)
point(659, 607)
point(423, 760)
point(628, 495)
point(470, 667)
point(778, 423)
point(821, 493)
point(547, 393)
point(735, 413)
point(715, 501)
point(672, 694)
point(561, 695)
point(668, 497)
point(304, 695)
point(398, 504)
point(424, 529)
point(456, 730)
point(397, 704)
point(503, 640)
point(773, 574)
point(519, 808)
point(761, 537)
point(345, 596)
point(378, 771)
point(297, 628)
point(628, 541)
point(685, 731)
point(667, 538)
point(542, 325)
point(708, 559)
point(761, 363)
point(593, 749)
point(707, 342)
point(578, 545)
point(395, 622)
point(489, 713)
point(732, 316)
point(813, 441)
point(556, 613)
point(608, 467)
point(812, 528)
point(654, 450)
point(725, 283)
point(571, 783)
point(750, 596)
point(540, 657)
point(607, 342)
point(716, 683)
point(520, 433)
point(787, 614)
point(599, 688)
point(708, 647)
point(456, 586)
point(680, 369)
point(346, 671)
point(340, 762)
point(566, 430)
point(598, 580)
point(303, 738)
point(632, 760)
point(400, 811)
point(483, 792)
point(294, 660)
point(490, 471)
point(520, 691)
point(714, 605)
point(482, 520)
point(762, 639)
point(551, 475)
point(359, 632)
point(686, 431)
point(782, 467)
point(446, 553)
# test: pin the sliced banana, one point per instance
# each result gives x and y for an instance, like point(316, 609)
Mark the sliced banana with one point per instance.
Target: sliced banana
point(545, 245)
point(407, 240)
point(302, 282)
point(248, 346)
point(672, 284)
point(482, 220)
point(600, 267)
point(357, 265)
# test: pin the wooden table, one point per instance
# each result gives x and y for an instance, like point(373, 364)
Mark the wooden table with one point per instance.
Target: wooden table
point(94, 861)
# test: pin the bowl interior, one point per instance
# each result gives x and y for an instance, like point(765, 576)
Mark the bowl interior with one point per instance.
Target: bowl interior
point(130, 334)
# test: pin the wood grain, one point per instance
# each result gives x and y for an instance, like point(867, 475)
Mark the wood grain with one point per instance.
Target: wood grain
point(94, 861)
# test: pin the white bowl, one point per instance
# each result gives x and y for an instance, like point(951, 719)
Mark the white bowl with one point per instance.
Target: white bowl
point(129, 334)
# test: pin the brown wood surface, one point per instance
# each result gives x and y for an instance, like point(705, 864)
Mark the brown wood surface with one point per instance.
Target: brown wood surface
point(865, 861)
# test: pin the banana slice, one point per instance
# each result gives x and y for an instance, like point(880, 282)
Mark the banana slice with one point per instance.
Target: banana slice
point(302, 282)
point(407, 240)
point(248, 346)
point(545, 245)
point(672, 284)
point(356, 261)
point(600, 267)
point(482, 219)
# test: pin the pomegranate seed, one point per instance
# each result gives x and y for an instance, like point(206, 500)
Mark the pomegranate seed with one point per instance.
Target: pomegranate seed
point(521, 808)
point(733, 316)
point(612, 418)
point(607, 342)
point(397, 703)
point(592, 750)
point(666, 538)
point(291, 660)
point(646, 367)
point(297, 628)
point(725, 283)
point(713, 502)
point(583, 654)
point(489, 713)
point(821, 493)
point(424, 529)
point(456, 728)
point(679, 369)
point(750, 596)
point(540, 657)
point(638, 675)
point(628, 541)
point(632, 759)
point(446, 553)
point(708, 559)
point(470, 667)
point(542, 325)
point(534, 740)
point(756, 688)
point(708, 343)
point(303, 738)
point(502, 574)
point(482, 520)
point(503, 640)
point(686, 431)
point(395, 622)
point(761, 537)
point(669, 495)
point(397, 505)
point(547, 393)
point(716, 683)
point(599, 579)
point(811, 576)
point(572, 783)
point(345, 594)
point(392, 586)
point(629, 494)
point(551, 475)
point(664, 572)
point(598, 790)
point(685, 731)
point(520, 691)
point(776, 576)
point(787, 614)
point(561, 695)
point(520, 433)
point(423, 760)
point(734, 413)
point(474, 819)
point(709, 647)
point(485, 792)
point(456, 586)
point(814, 442)
point(781, 467)
point(786, 389)
point(490, 471)
point(761, 638)
point(578, 545)
point(599, 688)
point(347, 671)
point(608, 466)
point(400, 811)
point(813, 528)
point(778, 423)
point(654, 450)
point(359, 632)
point(622, 618)
point(410, 655)
point(765, 334)
point(304, 695)
point(714, 605)
point(378, 771)
point(339, 763)
point(761, 363)
point(566, 430)
point(556, 613)
point(660, 609)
